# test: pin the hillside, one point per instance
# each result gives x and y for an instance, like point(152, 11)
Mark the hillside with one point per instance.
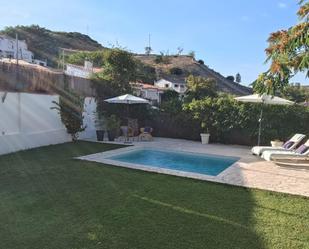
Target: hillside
point(45, 43)
point(177, 68)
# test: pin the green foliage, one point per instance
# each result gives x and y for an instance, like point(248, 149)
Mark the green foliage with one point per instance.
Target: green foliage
point(112, 123)
point(230, 78)
point(172, 106)
point(145, 73)
point(192, 54)
point(199, 88)
point(70, 107)
point(223, 116)
point(201, 62)
point(96, 57)
point(148, 50)
point(168, 95)
point(119, 71)
point(288, 54)
point(51, 200)
point(295, 93)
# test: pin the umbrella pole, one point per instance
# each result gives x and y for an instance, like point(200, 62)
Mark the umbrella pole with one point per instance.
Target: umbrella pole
point(260, 126)
point(127, 135)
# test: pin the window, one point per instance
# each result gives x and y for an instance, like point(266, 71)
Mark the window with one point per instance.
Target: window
point(176, 85)
point(182, 86)
point(166, 86)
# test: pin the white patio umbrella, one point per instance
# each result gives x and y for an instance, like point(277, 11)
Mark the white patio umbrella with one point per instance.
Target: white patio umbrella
point(127, 99)
point(263, 99)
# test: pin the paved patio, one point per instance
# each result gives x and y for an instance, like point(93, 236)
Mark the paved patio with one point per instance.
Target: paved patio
point(249, 171)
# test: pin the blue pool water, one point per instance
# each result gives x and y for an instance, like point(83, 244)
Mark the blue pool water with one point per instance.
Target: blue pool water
point(196, 163)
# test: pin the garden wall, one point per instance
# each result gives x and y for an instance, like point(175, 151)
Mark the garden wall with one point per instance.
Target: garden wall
point(27, 121)
point(36, 79)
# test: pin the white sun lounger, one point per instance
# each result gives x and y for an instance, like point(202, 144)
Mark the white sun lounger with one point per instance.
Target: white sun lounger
point(296, 139)
point(294, 162)
point(269, 155)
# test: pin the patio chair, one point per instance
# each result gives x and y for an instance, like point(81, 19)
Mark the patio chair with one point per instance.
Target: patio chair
point(301, 152)
point(145, 134)
point(289, 145)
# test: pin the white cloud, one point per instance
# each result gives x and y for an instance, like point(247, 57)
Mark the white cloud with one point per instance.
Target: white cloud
point(282, 5)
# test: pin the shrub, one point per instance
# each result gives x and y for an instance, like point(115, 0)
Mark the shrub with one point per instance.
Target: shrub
point(201, 62)
point(176, 71)
point(162, 58)
point(224, 116)
point(70, 107)
point(200, 87)
point(230, 78)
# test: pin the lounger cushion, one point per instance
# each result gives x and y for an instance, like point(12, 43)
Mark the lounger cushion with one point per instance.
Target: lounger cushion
point(302, 149)
point(288, 144)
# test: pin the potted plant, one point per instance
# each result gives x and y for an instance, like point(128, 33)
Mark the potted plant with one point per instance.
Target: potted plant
point(100, 126)
point(113, 126)
point(205, 136)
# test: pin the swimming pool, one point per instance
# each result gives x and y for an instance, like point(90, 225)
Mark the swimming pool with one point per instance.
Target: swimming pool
point(181, 161)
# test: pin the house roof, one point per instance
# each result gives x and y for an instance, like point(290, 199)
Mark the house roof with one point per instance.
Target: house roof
point(148, 86)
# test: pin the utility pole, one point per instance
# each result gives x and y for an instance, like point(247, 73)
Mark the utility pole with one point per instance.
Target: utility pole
point(16, 49)
point(148, 48)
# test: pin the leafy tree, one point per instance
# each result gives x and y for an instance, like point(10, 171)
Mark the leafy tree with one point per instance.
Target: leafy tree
point(238, 78)
point(169, 95)
point(96, 57)
point(201, 62)
point(144, 72)
point(192, 54)
point(295, 93)
point(179, 51)
point(288, 54)
point(199, 88)
point(119, 70)
point(70, 107)
point(148, 50)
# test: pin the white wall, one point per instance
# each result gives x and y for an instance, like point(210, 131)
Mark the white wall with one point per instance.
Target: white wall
point(27, 121)
point(78, 71)
point(89, 119)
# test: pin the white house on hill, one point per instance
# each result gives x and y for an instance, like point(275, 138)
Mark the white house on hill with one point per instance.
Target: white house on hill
point(176, 86)
point(9, 47)
point(148, 91)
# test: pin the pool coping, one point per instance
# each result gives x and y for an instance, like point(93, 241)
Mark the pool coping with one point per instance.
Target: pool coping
point(103, 157)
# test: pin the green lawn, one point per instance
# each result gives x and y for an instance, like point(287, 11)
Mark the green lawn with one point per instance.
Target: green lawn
point(49, 200)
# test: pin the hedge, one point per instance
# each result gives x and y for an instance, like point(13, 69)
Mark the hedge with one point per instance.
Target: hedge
point(232, 122)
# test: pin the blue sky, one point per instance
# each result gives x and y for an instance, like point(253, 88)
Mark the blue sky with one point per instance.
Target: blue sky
point(230, 36)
